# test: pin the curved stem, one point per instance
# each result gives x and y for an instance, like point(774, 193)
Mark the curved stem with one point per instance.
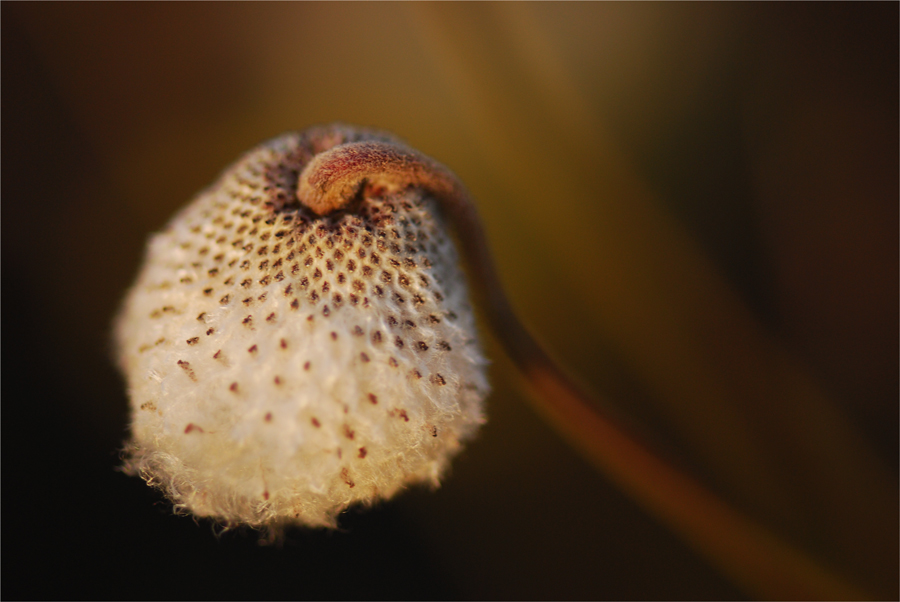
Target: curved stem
point(750, 554)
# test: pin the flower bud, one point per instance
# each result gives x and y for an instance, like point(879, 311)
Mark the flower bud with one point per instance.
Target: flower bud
point(282, 364)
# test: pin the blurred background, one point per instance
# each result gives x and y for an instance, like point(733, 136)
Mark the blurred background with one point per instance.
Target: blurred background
point(694, 206)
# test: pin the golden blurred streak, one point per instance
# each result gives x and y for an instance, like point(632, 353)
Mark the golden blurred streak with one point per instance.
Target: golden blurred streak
point(770, 435)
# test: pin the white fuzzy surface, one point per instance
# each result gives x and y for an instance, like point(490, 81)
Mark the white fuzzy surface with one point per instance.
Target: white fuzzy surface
point(282, 366)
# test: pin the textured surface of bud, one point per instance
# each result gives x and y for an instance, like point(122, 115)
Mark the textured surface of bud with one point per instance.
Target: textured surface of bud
point(283, 364)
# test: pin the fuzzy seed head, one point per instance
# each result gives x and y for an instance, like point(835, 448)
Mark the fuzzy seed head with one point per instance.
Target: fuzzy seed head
point(283, 365)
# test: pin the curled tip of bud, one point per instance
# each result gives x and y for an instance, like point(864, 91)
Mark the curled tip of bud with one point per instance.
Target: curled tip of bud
point(328, 182)
point(335, 177)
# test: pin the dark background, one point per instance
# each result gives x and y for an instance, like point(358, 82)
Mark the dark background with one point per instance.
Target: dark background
point(694, 206)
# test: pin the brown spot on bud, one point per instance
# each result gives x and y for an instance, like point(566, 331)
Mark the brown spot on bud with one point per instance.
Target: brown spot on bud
point(345, 476)
point(186, 366)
